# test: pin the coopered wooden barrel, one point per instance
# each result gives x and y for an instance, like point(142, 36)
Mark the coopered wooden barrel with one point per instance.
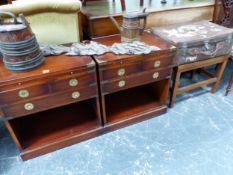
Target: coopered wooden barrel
point(18, 44)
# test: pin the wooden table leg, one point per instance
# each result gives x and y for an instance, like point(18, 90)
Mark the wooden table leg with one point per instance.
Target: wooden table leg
point(175, 86)
point(141, 3)
point(220, 69)
point(229, 85)
point(123, 5)
point(84, 2)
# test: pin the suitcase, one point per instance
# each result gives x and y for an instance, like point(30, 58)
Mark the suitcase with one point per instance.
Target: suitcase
point(197, 41)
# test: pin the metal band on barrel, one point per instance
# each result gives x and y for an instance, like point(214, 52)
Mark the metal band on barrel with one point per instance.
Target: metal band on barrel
point(20, 53)
point(21, 63)
point(30, 64)
point(19, 42)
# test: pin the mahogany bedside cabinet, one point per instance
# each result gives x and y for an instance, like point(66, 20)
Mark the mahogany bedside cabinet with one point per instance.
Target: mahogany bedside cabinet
point(51, 107)
point(134, 87)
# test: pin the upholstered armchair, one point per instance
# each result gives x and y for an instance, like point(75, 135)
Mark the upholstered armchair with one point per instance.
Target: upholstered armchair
point(52, 21)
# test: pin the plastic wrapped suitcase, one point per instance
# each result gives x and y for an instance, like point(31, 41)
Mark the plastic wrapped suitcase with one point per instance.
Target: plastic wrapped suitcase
point(197, 41)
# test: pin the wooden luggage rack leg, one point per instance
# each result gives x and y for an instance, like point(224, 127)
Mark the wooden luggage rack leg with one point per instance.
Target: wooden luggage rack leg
point(215, 79)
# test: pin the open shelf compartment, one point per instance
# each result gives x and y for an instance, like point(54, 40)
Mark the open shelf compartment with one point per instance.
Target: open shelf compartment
point(137, 101)
point(57, 124)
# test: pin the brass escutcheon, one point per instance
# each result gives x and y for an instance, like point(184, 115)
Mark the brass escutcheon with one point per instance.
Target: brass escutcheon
point(75, 95)
point(121, 72)
point(121, 83)
point(29, 106)
point(73, 82)
point(156, 75)
point(157, 63)
point(23, 93)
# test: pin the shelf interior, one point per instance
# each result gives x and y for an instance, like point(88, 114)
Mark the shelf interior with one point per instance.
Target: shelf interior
point(130, 102)
point(59, 123)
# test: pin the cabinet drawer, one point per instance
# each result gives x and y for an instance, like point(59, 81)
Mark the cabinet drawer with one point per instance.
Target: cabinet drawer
point(140, 64)
point(120, 70)
point(22, 93)
point(44, 103)
point(66, 83)
point(154, 62)
point(134, 80)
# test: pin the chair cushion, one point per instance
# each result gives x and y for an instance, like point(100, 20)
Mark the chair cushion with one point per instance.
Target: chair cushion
point(55, 28)
point(52, 21)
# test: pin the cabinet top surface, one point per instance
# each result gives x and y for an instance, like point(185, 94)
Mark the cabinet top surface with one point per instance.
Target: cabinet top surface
point(146, 38)
point(51, 65)
point(106, 8)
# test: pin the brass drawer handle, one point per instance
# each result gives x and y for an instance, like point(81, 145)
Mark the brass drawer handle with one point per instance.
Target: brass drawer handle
point(75, 95)
point(156, 75)
point(121, 72)
point(73, 82)
point(23, 93)
point(29, 106)
point(121, 83)
point(157, 64)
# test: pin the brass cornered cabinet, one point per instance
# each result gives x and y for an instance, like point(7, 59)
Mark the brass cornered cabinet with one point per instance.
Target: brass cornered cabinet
point(71, 99)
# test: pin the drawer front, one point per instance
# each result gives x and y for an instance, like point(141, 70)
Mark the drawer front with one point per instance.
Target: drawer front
point(154, 62)
point(135, 80)
point(140, 64)
point(23, 93)
point(120, 70)
point(44, 103)
point(73, 82)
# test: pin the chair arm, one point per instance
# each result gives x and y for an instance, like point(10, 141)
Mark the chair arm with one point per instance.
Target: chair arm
point(39, 6)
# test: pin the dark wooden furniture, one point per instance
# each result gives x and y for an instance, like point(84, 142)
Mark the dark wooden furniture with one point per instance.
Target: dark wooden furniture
point(229, 87)
point(84, 2)
point(213, 78)
point(58, 104)
point(96, 14)
point(223, 15)
point(51, 107)
point(2, 2)
point(134, 87)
